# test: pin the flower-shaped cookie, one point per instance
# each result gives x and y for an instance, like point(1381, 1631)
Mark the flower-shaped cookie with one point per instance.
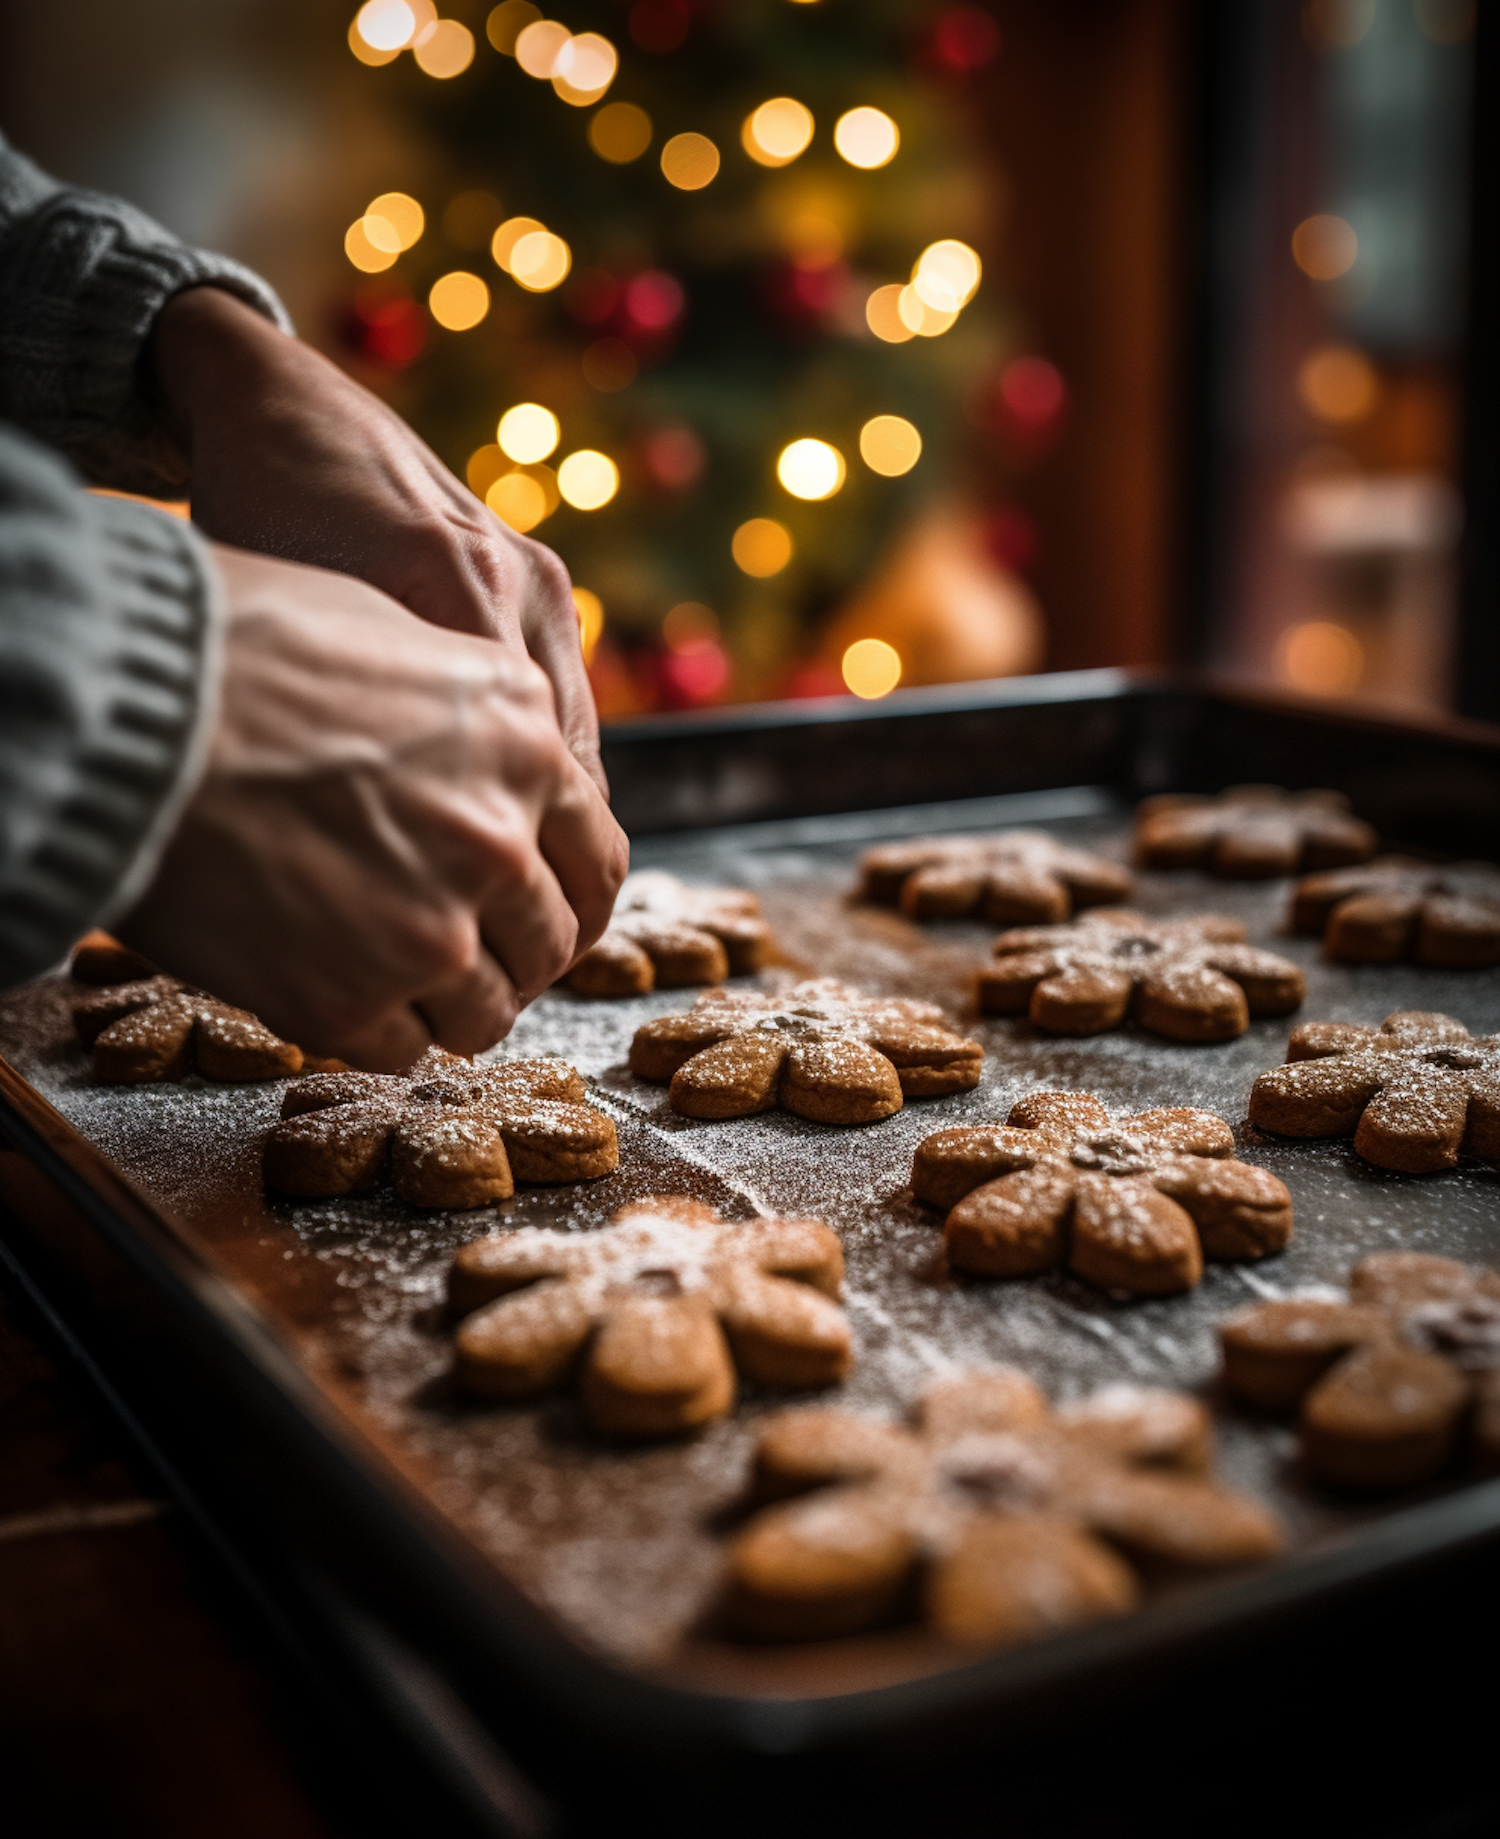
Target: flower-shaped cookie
point(1251, 832)
point(1390, 1383)
point(1190, 980)
point(1130, 1203)
point(446, 1134)
point(1003, 1520)
point(1396, 908)
point(158, 1028)
point(665, 934)
point(1415, 1093)
point(818, 1049)
point(1013, 875)
point(656, 1312)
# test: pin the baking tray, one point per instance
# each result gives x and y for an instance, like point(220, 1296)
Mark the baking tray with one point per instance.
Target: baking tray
point(289, 1362)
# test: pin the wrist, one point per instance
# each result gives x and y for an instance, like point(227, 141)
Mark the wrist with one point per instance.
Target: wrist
point(201, 344)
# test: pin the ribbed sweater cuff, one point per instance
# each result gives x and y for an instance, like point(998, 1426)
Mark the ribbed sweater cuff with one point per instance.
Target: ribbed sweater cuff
point(117, 654)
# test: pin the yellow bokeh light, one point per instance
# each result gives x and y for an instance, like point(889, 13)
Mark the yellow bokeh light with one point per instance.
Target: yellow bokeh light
point(1338, 383)
point(537, 47)
point(761, 547)
point(883, 315)
point(811, 469)
point(540, 261)
point(1320, 658)
point(689, 161)
point(866, 138)
point(918, 317)
point(871, 668)
point(485, 466)
point(946, 275)
point(458, 300)
point(588, 479)
point(507, 22)
point(777, 131)
point(528, 432)
point(445, 49)
point(508, 235)
point(889, 445)
point(403, 214)
point(520, 499)
point(590, 610)
point(366, 254)
point(1324, 247)
point(366, 53)
point(381, 234)
point(386, 25)
point(584, 69)
point(620, 133)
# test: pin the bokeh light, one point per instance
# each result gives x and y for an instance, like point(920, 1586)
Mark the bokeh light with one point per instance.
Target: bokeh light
point(521, 499)
point(1324, 247)
point(866, 138)
point(811, 469)
point(883, 315)
point(403, 214)
point(1320, 658)
point(371, 245)
point(1337, 25)
point(590, 610)
point(889, 445)
point(871, 668)
point(688, 625)
point(368, 53)
point(540, 261)
point(620, 133)
point(385, 25)
point(919, 317)
point(584, 69)
point(528, 432)
point(1338, 383)
point(485, 466)
point(537, 46)
point(458, 300)
point(1033, 393)
point(946, 274)
point(761, 547)
point(777, 132)
point(445, 49)
point(690, 161)
point(508, 235)
point(507, 22)
point(588, 479)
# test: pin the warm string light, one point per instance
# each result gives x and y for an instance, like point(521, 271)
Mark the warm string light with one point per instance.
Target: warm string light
point(458, 301)
point(889, 445)
point(866, 138)
point(382, 29)
point(944, 279)
point(530, 254)
point(777, 132)
point(761, 547)
point(528, 432)
point(620, 132)
point(811, 469)
point(690, 161)
point(524, 497)
point(1324, 247)
point(590, 610)
point(871, 668)
point(1338, 383)
point(588, 480)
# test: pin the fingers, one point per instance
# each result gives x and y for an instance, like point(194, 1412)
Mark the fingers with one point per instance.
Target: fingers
point(587, 852)
point(550, 623)
point(529, 927)
point(472, 1011)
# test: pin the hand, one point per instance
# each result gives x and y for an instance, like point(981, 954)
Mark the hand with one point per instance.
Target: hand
point(292, 458)
point(391, 844)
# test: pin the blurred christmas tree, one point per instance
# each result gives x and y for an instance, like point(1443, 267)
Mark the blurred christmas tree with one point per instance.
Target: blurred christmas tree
point(706, 306)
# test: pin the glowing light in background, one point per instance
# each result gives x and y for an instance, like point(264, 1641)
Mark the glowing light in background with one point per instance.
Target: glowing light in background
point(444, 50)
point(528, 432)
point(1320, 658)
point(946, 274)
point(371, 244)
point(385, 26)
point(761, 547)
point(920, 318)
point(777, 132)
point(871, 668)
point(866, 138)
point(458, 301)
point(690, 161)
point(883, 315)
point(590, 610)
point(485, 466)
point(540, 261)
point(889, 445)
point(403, 214)
point(588, 480)
point(811, 469)
point(689, 625)
point(620, 133)
point(522, 499)
point(966, 38)
point(584, 69)
point(507, 22)
point(1033, 393)
point(1338, 383)
point(508, 235)
point(537, 46)
point(1324, 247)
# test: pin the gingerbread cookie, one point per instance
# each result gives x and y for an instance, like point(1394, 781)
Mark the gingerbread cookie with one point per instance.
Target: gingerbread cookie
point(1415, 1093)
point(1390, 1384)
point(995, 1518)
point(665, 934)
point(1395, 908)
point(656, 1313)
point(1016, 875)
point(1251, 832)
point(1130, 1203)
point(158, 1028)
point(818, 1049)
point(1190, 980)
point(98, 958)
point(446, 1134)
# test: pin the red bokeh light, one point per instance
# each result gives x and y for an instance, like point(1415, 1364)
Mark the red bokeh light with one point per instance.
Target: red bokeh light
point(965, 38)
point(696, 674)
point(386, 326)
point(673, 457)
point(1033, 394)
point(801, 295)
point(659, 25)
point(652, 301)
point(812, 677)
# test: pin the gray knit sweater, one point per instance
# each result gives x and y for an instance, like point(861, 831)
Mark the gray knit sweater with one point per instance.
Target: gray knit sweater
point(109, 611)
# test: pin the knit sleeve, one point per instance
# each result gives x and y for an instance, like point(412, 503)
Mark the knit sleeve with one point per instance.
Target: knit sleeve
point(82, 278)
point(110, 625)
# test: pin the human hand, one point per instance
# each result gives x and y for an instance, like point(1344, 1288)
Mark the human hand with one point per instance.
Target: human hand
point(292, 458)
point(391, 844)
